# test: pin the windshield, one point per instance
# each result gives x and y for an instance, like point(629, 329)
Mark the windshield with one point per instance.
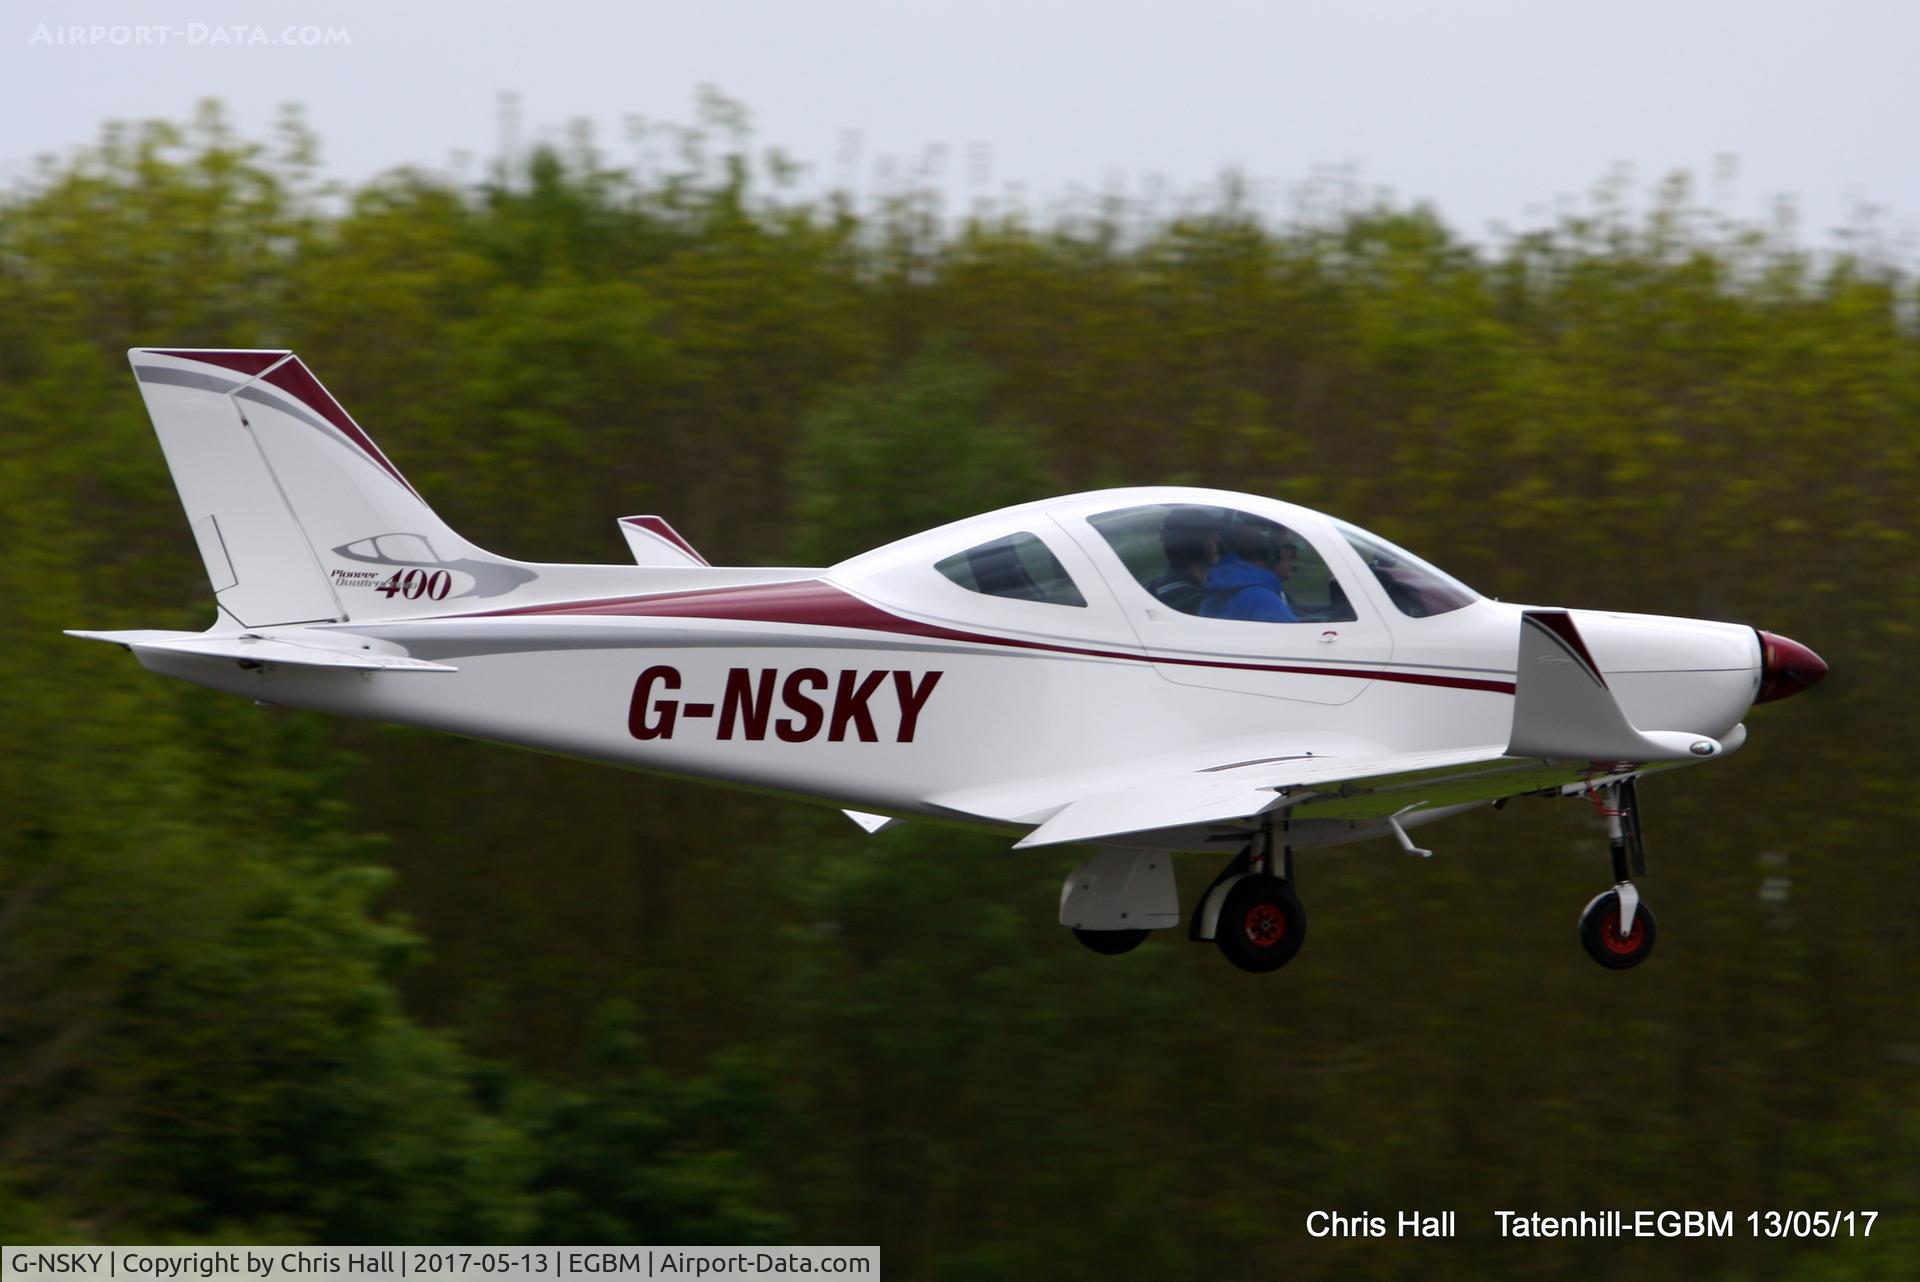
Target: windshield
point(1416, 589)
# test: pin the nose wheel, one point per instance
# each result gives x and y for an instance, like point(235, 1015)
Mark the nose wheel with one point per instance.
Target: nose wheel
point(1616, 928)
point(1606, 940)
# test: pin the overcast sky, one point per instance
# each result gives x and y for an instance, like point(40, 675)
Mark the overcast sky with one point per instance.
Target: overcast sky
point(1493, 111)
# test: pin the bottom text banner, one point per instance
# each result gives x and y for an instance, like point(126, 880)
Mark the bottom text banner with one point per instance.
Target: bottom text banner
point(431, 1263)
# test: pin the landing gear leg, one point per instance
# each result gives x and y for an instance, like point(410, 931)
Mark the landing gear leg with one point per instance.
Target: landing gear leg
point(1616, 928)
point(1251, 911)
point(1628, 791)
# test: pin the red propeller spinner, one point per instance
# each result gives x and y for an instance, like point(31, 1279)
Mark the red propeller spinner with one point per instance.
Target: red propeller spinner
point(1786, 667)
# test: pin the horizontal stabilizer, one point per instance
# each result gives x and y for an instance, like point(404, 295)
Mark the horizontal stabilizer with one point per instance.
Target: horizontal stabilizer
point(251, 648)
point(1563, 709)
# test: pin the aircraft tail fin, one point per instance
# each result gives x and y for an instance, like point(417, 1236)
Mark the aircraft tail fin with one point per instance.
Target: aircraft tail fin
point(299, 516)
point(1563, 709)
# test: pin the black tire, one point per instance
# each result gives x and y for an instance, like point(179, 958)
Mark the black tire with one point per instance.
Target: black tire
point(1110, 943)
point(1262, 924)
point(1600, 932)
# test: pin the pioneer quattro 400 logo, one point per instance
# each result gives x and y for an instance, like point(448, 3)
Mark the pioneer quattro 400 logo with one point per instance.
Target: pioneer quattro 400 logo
point(812, 702)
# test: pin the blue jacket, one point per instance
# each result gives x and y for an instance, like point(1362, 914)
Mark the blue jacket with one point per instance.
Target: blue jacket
point(1238, 589)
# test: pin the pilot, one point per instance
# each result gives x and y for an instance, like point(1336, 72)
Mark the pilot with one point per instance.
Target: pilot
point(1246, 582)
point(1191, 539)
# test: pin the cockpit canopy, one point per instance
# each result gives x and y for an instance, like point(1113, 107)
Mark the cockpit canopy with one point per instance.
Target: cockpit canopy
point(1204, 553)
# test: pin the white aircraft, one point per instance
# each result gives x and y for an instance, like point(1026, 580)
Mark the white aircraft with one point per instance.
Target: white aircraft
point(1148, 671)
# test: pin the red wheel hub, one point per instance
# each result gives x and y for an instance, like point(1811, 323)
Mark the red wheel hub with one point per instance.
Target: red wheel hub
point(1266, 925)
point(1618, 944)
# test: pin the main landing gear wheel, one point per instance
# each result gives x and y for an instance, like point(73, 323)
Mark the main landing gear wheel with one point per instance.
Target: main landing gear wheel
point(1600, 932)
point(1262, 924)
point(1111, 943)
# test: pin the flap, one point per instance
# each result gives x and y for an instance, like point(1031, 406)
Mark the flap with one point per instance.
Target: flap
point(1234, 792)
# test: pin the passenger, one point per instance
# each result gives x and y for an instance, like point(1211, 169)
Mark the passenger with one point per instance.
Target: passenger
point(1191, 539)
point(1246, 582)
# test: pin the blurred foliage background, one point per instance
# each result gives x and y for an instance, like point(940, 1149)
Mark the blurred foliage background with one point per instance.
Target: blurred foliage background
point(265, 977)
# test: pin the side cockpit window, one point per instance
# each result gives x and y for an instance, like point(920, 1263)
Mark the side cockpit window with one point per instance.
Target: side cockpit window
point(1219, 563)
point(1019, 566)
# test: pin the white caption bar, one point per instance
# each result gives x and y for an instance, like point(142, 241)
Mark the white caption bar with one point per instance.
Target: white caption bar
point(434, 1263)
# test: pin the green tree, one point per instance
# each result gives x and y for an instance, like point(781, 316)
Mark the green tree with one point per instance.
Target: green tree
point(877, 462)
point(630, 1154)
